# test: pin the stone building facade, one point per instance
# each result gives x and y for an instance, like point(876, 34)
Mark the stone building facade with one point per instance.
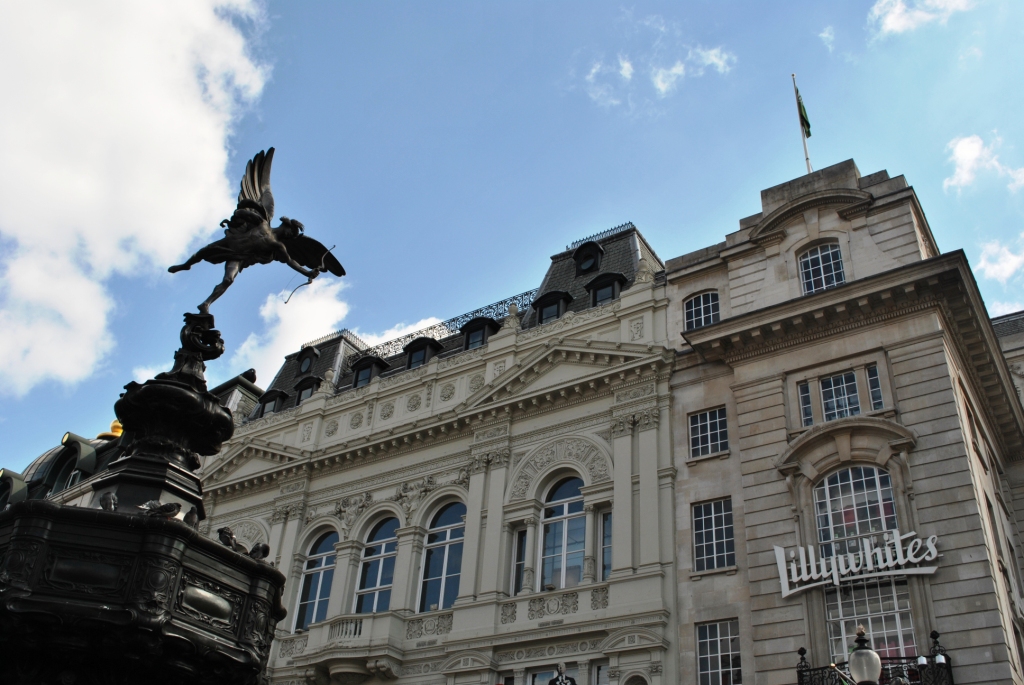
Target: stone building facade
point(656, 472)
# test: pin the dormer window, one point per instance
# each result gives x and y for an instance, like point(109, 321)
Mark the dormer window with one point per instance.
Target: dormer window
point(420, 351)
point(551, 305)
point(365, 368)
point(306, 359)
point(271, 402)
point(588, 258)
point(477, 331)
point(605, 288)
point(363, 377)
point(305, 388)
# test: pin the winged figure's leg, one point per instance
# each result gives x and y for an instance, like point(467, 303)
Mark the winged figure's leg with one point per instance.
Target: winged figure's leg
point(231, 270)
point(194, 259)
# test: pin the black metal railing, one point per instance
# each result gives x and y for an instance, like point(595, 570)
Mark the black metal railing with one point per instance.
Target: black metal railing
point(907, 668)
point(444, 329)
point(599, 236)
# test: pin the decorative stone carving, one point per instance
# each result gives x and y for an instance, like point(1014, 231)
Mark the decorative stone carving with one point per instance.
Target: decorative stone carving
point(429, 393)
point(154, 584)
point(307, 432)
point(570, 319)
point(413, 403)
point(495, 432)
point(291, 487)
point(528, 579)
point(356, 421)
point(589, 568)
point(599, 598)
point(622, 425)
point(644, 272)
point(562, 649)
point(571, 450)
point(248, 532)
point(349, 509)
point(567, 603)
point(285, 512)
point(636, 329)
point(447, 392)
point(654, 668)
point(458, 359)
point(293, 647)
point(648, 418)
point(512, 320)
point(331, 428)
point(635, 393)
point(409, 495)
point(463, 478)
point(431, 625)
point(476, 382)
point(387, 410)
point(508, 612)
point(499, 368)
point(385, 669)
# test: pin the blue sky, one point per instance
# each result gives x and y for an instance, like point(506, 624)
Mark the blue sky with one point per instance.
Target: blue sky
point(447, 150)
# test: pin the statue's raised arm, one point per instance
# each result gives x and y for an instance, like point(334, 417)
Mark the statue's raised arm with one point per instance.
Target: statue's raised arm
point(249, 239)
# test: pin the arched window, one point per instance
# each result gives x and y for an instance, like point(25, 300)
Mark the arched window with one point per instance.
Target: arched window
point(378, 570)
point(853, 504)
point(701, 310)
point(316, 581)
point(564, 535)
point(442, 558)
point(821, 268)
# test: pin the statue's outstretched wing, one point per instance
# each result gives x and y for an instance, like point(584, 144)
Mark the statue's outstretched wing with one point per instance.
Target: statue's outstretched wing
point(312, 255)
point(256, 183)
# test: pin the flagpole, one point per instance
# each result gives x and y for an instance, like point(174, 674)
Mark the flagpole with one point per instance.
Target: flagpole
point(803, 138)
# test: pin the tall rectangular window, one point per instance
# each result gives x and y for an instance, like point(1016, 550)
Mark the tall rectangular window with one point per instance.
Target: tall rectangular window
point(718, 653)
point(708, 433)
point(839, 396)
point(821, 268)
point(875, 387)
point(606, 545)
point(518, 560)
point(713, 543)
point(806, 413)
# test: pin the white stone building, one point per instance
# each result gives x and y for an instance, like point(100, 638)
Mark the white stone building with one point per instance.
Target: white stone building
point(676, 472)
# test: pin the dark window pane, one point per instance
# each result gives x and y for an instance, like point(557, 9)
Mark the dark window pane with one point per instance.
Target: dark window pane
point(431, 597)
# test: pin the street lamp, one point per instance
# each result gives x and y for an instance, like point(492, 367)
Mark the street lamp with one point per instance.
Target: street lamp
point(865, 664)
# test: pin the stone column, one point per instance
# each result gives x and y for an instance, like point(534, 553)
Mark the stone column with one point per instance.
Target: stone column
point(403, 588)
point(622, 495)
point(520, 676)
point(589, 542)
point(650, 537)
point(346, 569)
point(492, 568)
point(583, 672)
point(529, 572)
point(471, 546)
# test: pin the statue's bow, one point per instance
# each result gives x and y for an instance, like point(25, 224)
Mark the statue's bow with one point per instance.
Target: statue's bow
point(319, 270)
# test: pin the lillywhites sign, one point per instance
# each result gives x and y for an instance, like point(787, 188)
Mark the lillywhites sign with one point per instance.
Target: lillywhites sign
point(891, 559)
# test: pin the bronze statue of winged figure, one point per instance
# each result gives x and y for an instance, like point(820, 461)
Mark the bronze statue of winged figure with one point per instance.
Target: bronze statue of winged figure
point(249, 239)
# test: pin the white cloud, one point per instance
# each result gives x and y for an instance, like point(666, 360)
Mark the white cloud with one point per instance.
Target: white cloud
point(828, 37)
point(1000, 308)
point(625, 68)
point(896, 16)
point(313, 311)
point(718, 58)
point(664, 80)
point(999, 262)
point(970, 155)
point(112, 160)
point(396, 331)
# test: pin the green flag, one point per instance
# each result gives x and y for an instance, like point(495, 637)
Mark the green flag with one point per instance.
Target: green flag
point(805, 123)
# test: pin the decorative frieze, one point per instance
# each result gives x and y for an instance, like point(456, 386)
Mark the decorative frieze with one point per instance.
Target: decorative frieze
point(576, 450)
point(331, 428)
point(567, 603)
point(409, 495)
point(544, 652)
point(431, 625)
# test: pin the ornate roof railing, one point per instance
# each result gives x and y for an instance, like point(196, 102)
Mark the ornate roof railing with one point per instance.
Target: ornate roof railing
point(444, 329)
point(599, 236)
point(351, 337)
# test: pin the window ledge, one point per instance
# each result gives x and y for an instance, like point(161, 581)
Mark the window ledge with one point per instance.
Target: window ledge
point(727, 570)
point(714, 455)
